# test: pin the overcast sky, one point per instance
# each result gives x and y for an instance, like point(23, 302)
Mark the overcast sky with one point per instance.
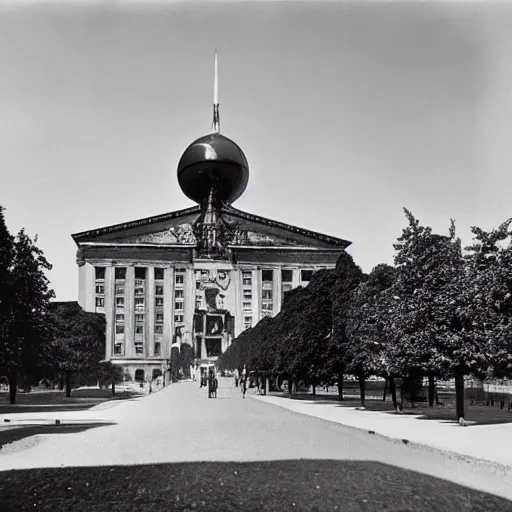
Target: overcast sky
point(346, 111)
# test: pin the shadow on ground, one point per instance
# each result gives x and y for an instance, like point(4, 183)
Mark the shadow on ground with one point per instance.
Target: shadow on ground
point(480, 414)
point(17, 433)
point(57, 401)
point(297, 485)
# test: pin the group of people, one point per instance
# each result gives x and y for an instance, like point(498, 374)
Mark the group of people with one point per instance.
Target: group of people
point(245, 380)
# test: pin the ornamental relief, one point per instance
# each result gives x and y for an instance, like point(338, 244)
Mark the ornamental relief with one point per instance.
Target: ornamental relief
point(182, 234)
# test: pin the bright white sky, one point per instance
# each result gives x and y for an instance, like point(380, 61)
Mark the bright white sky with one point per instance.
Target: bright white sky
point(346, 111)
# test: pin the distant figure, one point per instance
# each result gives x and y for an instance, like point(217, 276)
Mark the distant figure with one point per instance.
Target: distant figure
point(243, 385)
point(260, 384)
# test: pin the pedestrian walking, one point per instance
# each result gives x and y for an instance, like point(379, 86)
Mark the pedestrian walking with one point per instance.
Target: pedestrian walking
point(243, 385)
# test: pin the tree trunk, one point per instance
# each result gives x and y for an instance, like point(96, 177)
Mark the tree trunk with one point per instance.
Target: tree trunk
point(392, 390)
point(431, 390)
point(459, 394)
point(68, 384)
point(113, 387)
point(13, 385)
point(340, 387)
point(385, 390)
point(290, 387)
point(362, 389)
point(314, 388)
point(61, 383)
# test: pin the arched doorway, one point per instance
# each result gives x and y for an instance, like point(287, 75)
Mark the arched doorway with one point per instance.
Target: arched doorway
point(139, 375)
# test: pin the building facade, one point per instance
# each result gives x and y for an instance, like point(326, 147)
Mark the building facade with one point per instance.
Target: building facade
point(195, 277)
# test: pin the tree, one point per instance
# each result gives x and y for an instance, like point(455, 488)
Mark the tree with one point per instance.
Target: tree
point(110, 374)
point(78, 340)
point(348, 277)
point(363, 345)
point(26, 331)
point(6, 263)
point(489, 264)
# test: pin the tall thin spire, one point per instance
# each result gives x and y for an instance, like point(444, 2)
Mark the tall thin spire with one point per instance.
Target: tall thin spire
point(216, 119)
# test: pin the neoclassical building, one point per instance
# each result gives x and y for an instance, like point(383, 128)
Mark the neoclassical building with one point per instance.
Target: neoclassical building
point(197, 276)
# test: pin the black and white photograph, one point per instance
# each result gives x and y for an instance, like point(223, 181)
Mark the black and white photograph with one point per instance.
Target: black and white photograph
point(255, 255)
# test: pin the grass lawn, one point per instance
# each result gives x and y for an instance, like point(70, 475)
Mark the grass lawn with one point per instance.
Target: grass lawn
point(299, 485)
point(56, 400)
point(480, 414)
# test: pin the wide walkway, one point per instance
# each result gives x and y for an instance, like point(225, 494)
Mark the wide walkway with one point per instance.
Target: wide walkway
point(181, 424)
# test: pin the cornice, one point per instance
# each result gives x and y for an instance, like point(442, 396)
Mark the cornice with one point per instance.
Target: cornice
point(147, 221)
point(287, 227)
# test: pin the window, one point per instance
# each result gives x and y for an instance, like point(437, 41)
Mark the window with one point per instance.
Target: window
point(199, 303)
point(139, 329)
point(266, 294)
point(178, 319)
point(100, 272)
point(247, 294)
point(247, 278)
point(139, 348)
point(286, 288)
point(305, 275)
point(159, 273)
point(100, 288)
point(267, 306)
point(178, 294)
point(178, 305)
point(267, 275)
point(198, 285)
point(159, 289)
point(140, 273)
point(247, 322)
point(179, 278)
point(159, 329)
point(120, 329)
point(157, 349)
point(119, 289)
point(139, 291)
point(120, 317)
point(100, 302)
point(139, 304)
point(286, 276)
point(159, 318)
point(159, 301)
point(120, 273)
point(247, 305)
point(120, 302)
point(118, 348)
point(139, 318)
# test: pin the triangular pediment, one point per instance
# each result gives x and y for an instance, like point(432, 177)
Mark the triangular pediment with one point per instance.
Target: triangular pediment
point(242, 230)
point(168, 229)
point(255, 231)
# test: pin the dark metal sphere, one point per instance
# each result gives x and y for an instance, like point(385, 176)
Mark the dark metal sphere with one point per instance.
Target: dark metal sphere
point(215, 154)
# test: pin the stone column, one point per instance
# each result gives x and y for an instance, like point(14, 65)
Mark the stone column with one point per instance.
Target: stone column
point(276, 291)
point(149, 331)
point(239, 297)
point(190, 305)
point(110, 311)
point(296, 278)
point(129, 306)
point(86, 283)
point(256, 296)
point(168, 312)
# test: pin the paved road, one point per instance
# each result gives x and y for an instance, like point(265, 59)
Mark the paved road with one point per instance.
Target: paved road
point(181, 424)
